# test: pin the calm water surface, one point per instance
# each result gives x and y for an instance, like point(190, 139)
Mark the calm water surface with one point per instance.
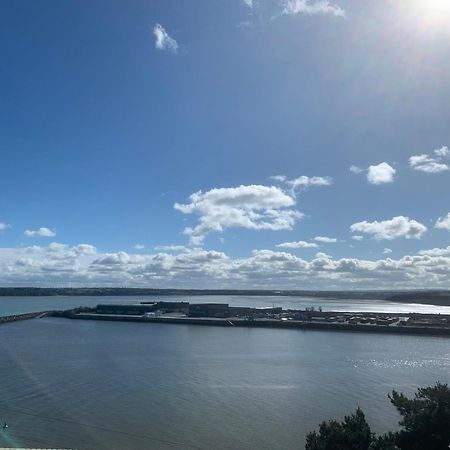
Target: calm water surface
point(102, 385)
point(19, 305)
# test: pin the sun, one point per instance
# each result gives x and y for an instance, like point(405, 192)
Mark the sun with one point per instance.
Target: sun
point(433, 13)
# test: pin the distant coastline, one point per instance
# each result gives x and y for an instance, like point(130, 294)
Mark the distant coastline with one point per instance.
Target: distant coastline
point(430, 297)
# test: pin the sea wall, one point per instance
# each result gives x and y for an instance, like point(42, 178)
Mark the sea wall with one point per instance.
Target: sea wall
point(272, 323)
point(28, 316)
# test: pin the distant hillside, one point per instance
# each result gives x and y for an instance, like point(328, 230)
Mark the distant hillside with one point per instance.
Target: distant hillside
point(105, 291)
point(441, 298)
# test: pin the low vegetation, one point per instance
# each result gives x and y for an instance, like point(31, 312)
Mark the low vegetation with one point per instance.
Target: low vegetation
point(424, 425)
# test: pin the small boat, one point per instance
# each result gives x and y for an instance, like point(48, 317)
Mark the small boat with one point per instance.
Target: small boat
point(5, 426)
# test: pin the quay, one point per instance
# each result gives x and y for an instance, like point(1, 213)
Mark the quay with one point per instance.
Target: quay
point(223, 315)
point(269, 323)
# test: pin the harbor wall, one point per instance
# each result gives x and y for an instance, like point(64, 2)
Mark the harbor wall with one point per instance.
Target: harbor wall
point(27, 316)
point(271, 323)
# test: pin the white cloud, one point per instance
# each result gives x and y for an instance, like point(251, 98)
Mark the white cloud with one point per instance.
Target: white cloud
point(305, 182)
point(436, 252)
point(443, 222)
point(426, 163)
point(42, 232)
point(171, 248)
point(325, 239)
point(397, 227)
point(278, 177)
point(429, 163)
point(312, 7)
point(248, 3)
point(57, 249)
point(443, 151)
point(380, 174)
point(162, 39)
point(113, 260)
point(322, 256)
point(387, 251)
point(357, 237)
point(254, 207)
point(356, 169)
point(3, 226)
point(139, 246)
point(84, 249)
point(195, 240)
point(61, 265)
point(297, 244)
point(376, 174)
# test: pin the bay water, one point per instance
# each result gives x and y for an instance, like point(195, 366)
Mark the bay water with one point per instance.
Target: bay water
point(112, 385)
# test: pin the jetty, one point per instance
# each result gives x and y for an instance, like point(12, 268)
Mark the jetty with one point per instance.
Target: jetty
point(27, 316)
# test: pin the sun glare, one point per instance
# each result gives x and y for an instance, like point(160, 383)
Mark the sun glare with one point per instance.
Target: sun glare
point(433, 13)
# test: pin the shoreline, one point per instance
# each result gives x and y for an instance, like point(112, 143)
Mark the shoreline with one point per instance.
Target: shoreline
point(429, 329)
point(265, 323)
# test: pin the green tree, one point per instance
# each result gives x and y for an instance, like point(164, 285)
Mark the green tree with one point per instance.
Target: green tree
point(425, 423)
point(351, 434)
point(385, 442)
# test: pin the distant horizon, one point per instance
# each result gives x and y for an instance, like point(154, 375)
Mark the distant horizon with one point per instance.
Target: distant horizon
point(80, 288)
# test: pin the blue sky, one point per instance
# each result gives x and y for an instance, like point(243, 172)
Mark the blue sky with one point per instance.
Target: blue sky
point(113, 114)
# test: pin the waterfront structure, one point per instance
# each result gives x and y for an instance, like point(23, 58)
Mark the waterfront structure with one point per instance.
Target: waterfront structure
point(134, 310)
point(144, 307)
point(209, 310)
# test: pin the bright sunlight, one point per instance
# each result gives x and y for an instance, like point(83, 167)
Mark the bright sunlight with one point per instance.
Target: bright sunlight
point(433, 13)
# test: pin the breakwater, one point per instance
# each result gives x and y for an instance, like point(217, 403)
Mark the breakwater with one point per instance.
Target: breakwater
point(268, 323)
point(28, 316)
